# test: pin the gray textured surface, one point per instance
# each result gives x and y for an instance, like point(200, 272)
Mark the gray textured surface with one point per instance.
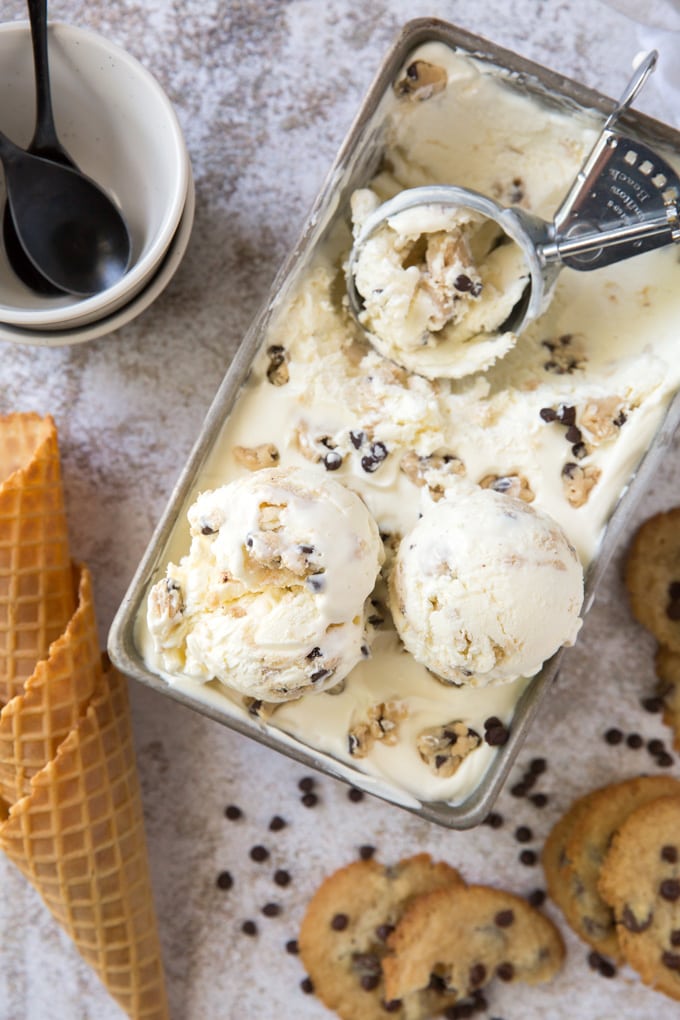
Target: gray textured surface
point(265, 91)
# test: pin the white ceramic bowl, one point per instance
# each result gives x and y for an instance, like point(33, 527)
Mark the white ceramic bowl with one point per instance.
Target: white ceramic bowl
point(118, 125)
point(109, 323)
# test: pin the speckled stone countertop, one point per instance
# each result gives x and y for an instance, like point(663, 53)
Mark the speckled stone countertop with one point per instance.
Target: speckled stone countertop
point(265, 90)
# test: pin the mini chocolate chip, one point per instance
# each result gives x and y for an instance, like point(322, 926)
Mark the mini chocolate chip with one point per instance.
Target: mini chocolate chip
point(519, 789)
point(207, 530)
point(671, 960)
point(224, 880)
point(594, 960)
point(307, 986)
point(357, 439)
point(664, 759)
point(536, 897)
point(670, 889)
point(477, 974)
point(306, 784)
point(630, 921)
point(383, 932)
point(504, 918)
point(292, 947)
point(316, 582)
point(539, 800)
point(669, 853)
point(319, 675)
point(675, 937)
point(606, 969)
point(548, 414)
point(249, 928)
point(492, 722)
point(332, 461)
point(653, 704)
point(674, 590)
point(528, 857)
point(366, 852)
point(282, 877)
point(493, 819)
point(463, 282)
point(393, 1006)
point(355, 795)
point(259, 853)
point(505, 971)
point(271, 909)
point(277, 823)
point(573, 434)
point(496, 736)
point(314, 654)
point(339, 922)
point(309, 800)
point(634, 741)
point(232, 812)
point(566, 414)
point(579, 450)
point(369, 982)
point(656, 746)
point(613, 736)
point(537, 766)
point(523, 834)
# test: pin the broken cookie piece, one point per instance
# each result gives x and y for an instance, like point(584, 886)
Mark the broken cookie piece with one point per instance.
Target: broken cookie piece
point(444, 748)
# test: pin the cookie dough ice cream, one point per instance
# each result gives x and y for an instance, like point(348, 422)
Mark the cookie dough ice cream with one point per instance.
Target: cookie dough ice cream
point(559, 423)
point(271, 598)
point(485, 588)
point(437, 284)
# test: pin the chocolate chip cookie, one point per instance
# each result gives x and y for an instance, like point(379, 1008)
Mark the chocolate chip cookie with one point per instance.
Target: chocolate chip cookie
point(640, 880)
point(462, 937)
point(652, 576)
point(345, 930)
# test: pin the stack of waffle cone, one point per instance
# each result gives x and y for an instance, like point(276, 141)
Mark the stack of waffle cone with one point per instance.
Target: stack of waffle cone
point(70, 802)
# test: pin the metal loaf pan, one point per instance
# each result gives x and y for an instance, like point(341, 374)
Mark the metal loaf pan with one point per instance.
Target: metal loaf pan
point(356, 160)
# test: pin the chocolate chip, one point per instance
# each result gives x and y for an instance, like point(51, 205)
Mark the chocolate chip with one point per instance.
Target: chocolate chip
point(670, 889)
point(496, 736)
point(319, 675)
point(477, 974)
point(675, 937)
point(536, 898)
point(613, 736)
point(277, 823)
point(207, 530)
point(292, 947)
point(463, 283)
point(671, 960)
point(369, 982)
point(372, 461)
point(505, 971)
point(393, 1006)
point(282, 877)
point(492, 722)
point(249, 928)
point(537, 766)
point(634, 741)
point(523, 834)
point(316, 582)
point(314, 654)
point(224, 880)
point(669, 853)
point(339, 922)
point(607, 969)
point(579, 450)
point(656, 746)
point(573, 434)
point(539, 800)
point(357, 438)
point(332, 461)
point(653, 704)
point(673, 610)
point(630, 921)
point(306, 784)
point(355, 795)
point(383, 932)
point(566, 414)
point(232, 812)
point(309, 800)
point(493, 819)
point(548, 414)
point(520, 789)
point(307, 986)
point(271, 909)
point(664, 759)
point(259, 853)
point(528, 857)
point(594, 960)
point(366, 852)
point(504, 918)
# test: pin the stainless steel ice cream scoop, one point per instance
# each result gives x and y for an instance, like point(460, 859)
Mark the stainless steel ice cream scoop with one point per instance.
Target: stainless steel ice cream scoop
point(624, 201)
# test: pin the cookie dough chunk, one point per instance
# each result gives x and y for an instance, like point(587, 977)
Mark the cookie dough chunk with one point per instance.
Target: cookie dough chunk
point(466, 937)
point(345, 930)
point(653, 577)
point(667, 666)
point(640, 879)
point(596, 820)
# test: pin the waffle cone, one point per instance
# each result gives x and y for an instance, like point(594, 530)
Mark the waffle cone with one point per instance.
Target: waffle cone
point(79, 839)
point(36, 587)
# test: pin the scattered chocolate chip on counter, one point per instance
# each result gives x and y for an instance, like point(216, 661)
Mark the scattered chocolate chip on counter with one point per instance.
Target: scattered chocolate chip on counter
point(225, 880)
point(233, 812)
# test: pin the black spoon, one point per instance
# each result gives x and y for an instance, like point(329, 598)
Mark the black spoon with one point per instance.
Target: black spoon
point(27, 259)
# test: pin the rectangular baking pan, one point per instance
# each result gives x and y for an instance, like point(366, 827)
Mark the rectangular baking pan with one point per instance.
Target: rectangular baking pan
point(354, 165)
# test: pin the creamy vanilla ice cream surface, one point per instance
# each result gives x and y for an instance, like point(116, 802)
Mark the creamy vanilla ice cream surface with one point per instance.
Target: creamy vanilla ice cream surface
point(559, 424)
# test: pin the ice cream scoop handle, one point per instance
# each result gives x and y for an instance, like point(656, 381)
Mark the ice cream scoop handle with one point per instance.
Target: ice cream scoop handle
point(663, 226)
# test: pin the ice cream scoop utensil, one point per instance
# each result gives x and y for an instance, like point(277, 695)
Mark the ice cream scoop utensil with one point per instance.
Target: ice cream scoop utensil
point(70, 230)
point(624, 201)
point(44, 143)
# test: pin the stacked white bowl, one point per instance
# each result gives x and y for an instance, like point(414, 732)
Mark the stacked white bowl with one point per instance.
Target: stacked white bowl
point(120, 129)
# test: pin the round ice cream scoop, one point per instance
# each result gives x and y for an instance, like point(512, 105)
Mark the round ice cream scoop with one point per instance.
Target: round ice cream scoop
point(497, 278)
point(271, 599)
point(484, 588)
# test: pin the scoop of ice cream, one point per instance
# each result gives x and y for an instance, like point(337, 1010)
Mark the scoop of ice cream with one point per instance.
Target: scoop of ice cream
point(485, 588)
point(437, 284)
point(271, 598)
